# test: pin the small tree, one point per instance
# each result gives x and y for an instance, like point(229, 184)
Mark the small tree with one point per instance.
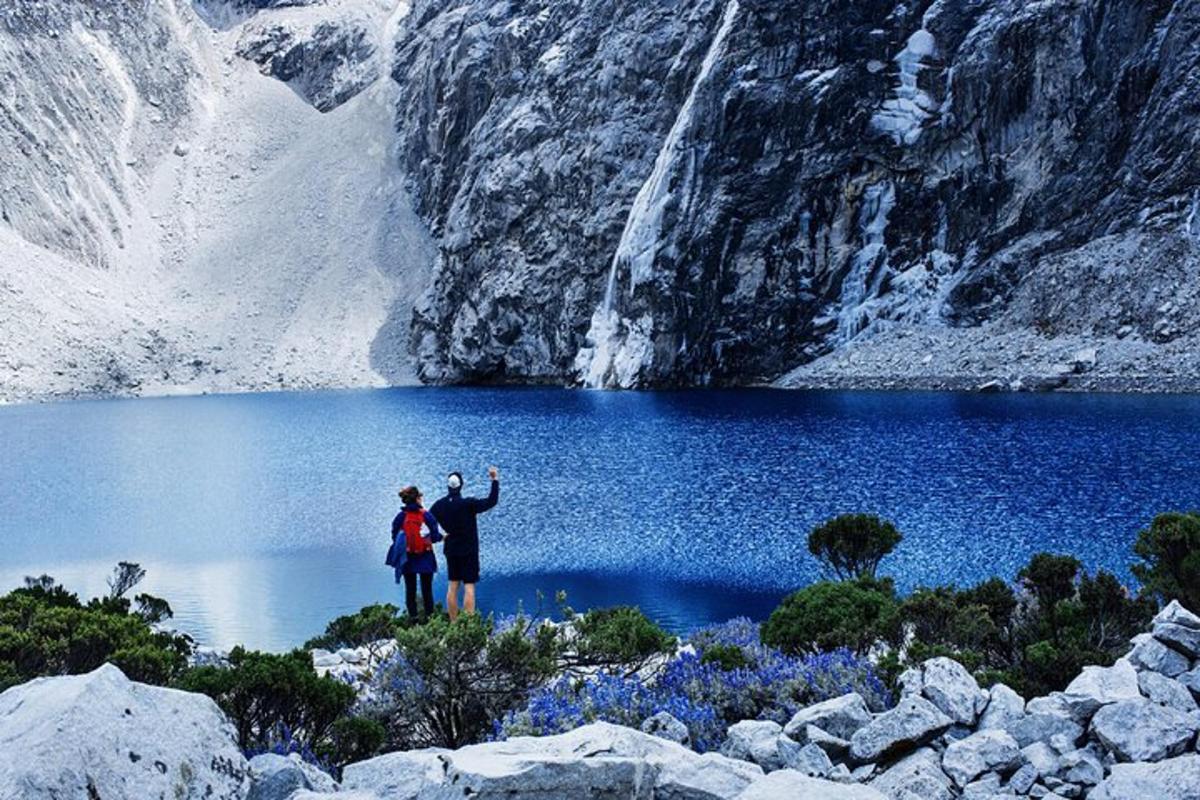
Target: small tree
point(125, 576)
point(368, 627)
point(1050, 579)
point(1170, 550)
point(831, 615)
point(852, 545)
point(620, 639)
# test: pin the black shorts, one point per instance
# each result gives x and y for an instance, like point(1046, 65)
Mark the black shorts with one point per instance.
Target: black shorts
point(464, 569)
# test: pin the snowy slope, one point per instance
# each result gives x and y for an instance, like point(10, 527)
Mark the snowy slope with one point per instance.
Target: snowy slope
point(176, 220)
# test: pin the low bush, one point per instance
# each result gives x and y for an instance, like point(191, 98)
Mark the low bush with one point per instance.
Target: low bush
point(448, 681)
point(621, 637)
point(698, 688)
point(832, 615)
point(1170, 554)
point(364, 628)
point(46, 630)
point(274, 698)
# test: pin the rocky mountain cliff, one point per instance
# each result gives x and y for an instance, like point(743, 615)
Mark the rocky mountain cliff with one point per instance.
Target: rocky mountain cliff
point(649, 193)
point(240, 194)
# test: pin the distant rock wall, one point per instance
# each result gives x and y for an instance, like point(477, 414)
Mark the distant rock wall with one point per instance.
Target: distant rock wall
point(714, 192)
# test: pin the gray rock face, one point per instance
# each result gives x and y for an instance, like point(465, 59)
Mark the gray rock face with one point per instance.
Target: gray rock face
point(101, 735)
point(1179, 637)
point(665, 726)
point(1140, 730)
point(323, 61)
point(1081, 767)
point(1004, 706)
point(917, 775)
point(840, 717)
point(1099, 686)
point(913, 722)
point(1166, 692)
point(808, 759)
point(788, 784)
point(1191, 680)
point(597, 760)
point(992, 750)
point(1175, 614)
point(274, 777)
point(1151, 654)
point(1041, 727)
point(756, 741)
point(751, 213)
point(949, 686)
point(1172, 779)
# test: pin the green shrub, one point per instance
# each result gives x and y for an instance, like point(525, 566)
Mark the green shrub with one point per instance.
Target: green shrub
point(621, 639)
point(352, 739)
point(831, 615)
point(365, 627)
point(45, 630)
point(449, 681)
point(271, 696)
point(726, 656)
point(852, 545)
point(1170, 550)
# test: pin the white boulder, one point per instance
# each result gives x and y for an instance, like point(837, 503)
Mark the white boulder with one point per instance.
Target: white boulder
point(101, 735)
point(1150, 654)
point(1172, 779)
point(949, 686)
point(1175, 614)
point(1141, 730)
point(984, 751)
point(913, 722)
point(1099, 686)
point(755, 740)
point(787, 784)
point(1166, 692)
point(839, 717)
point(597, 760)
point(1004, 706)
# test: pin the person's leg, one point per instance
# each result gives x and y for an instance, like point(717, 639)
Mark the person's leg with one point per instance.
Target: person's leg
point(427, 593)
point(452, 601)
point(410, 593)
point(469, 598)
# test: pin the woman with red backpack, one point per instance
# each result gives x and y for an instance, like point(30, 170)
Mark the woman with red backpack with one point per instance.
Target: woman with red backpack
point(420, 531)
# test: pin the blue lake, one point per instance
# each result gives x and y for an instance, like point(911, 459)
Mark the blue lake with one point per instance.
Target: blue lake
point(261, 517)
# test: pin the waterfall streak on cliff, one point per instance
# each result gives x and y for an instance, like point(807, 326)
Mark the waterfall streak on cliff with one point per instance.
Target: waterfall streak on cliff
point(639, 242)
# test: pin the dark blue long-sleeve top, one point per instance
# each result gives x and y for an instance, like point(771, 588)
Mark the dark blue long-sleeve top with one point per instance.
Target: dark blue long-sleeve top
point(457, 517)
point(419, 563)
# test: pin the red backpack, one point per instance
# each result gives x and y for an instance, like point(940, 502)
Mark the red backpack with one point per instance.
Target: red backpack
point(414, 542)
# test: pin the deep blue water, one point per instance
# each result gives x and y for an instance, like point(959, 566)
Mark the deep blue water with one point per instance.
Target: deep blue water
point(260, 517)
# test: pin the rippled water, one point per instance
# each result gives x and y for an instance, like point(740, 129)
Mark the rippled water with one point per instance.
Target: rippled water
point(262, 516)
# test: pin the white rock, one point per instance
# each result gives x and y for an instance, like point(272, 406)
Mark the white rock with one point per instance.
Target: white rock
point(101, 735)
point(1151, 654)
point(665, 726)
point(1176, 614)
point(756, 741)
point(1179, 637)
point(1166, 691)
point(600, 760)
point(1099, 686)
point(914, 721)
point(840, 717)
point(949, 686)
point(919, 774)
point(991, 750)
point(275, 777)
point(808, 759)
point(788, 784)
point(1140, 730)
point(1004, 706)
point(1081, 767)
point(1172, 779)
point(1040, 727)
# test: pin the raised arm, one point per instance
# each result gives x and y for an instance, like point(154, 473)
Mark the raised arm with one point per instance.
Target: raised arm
point(493, 497)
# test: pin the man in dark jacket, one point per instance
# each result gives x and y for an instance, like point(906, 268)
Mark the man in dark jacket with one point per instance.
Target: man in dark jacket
point(456, 515)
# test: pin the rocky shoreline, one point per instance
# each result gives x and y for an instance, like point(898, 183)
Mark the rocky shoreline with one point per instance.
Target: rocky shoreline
point(1125, 732)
